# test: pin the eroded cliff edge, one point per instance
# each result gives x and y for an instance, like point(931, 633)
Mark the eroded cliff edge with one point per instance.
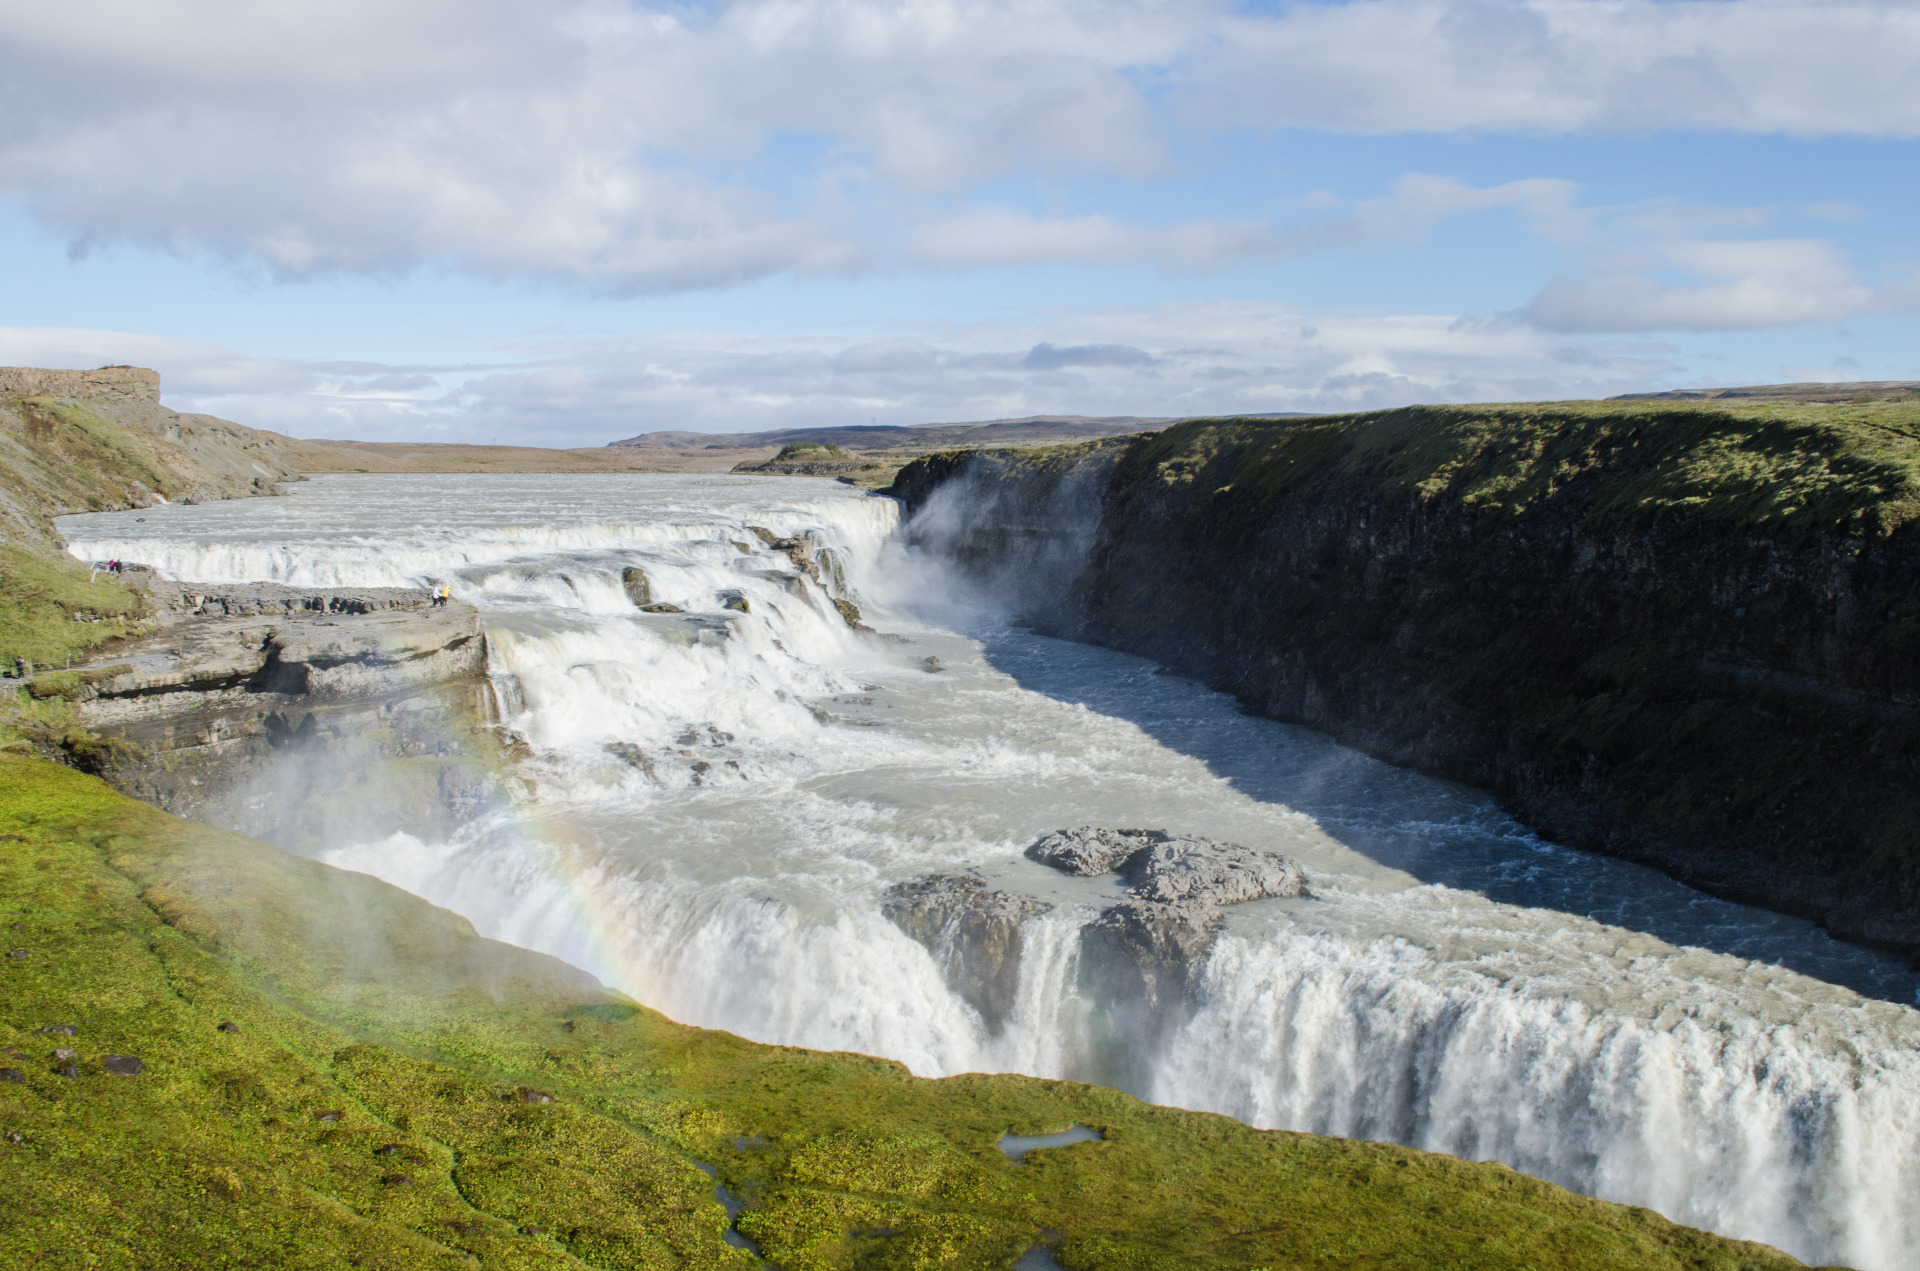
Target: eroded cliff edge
point(300, 714)
point(1689, 637)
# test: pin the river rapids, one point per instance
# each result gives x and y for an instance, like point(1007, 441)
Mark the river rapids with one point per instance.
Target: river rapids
point(715, 802)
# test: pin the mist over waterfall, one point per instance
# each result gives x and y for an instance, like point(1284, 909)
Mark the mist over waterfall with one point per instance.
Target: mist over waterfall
point(711, 800)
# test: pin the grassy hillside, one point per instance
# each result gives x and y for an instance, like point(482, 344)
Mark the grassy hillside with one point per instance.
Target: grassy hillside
point(334, 1073)
point(56, 457)
point(1778, 465)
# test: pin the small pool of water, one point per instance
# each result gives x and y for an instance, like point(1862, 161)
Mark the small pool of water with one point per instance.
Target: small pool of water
point(1018, 1145)
point(734, 1206)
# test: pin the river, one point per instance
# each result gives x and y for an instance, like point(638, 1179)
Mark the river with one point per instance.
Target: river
point(719, 798)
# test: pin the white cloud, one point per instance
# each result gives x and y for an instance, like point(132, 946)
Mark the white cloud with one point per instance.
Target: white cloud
point(1008, 236)
point(1553, 66)
point(1417, 203)
point(1197, 358)
point(637, 149)
point(1670, 267)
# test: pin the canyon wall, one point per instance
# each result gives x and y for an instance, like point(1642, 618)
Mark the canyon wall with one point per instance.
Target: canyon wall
point(302, 716)
point(1689, 637)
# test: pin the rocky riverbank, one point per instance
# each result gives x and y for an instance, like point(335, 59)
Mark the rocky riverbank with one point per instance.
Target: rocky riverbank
point(1685, 635)
point(294, 714)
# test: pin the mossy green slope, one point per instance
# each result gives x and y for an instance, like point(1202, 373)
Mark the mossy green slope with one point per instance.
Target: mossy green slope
point(1761, 465)
point(57, 456)
point(385, 1103)
point(52, 608)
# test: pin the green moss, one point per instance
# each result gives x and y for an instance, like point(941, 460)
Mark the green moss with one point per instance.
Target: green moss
point(1761, 465)
point(382, 1104)
point(801, 451)
point(51, 609)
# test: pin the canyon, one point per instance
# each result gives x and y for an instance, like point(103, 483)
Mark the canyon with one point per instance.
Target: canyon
point(814, 773)
point(1687, 637)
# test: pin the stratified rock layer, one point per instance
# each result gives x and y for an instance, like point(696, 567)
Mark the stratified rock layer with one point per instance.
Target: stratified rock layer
point(300, 714)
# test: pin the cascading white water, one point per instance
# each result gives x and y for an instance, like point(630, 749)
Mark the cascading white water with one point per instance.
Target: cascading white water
point(721, 798)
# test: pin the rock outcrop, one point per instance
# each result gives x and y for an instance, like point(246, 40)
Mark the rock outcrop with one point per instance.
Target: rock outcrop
point(1171, 869)
point(1138, 957)
point(639, 587)
point(1090, 851)
point(973, 932)
point(170, 601)
point(1145, 949)
point(278, 709)
point(77, 441)
point(822, 564)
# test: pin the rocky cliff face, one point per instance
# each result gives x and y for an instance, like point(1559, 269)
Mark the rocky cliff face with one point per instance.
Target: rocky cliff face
point(1690, 638)
point(305, 717)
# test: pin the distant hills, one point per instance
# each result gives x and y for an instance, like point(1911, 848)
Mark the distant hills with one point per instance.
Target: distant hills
point(1030, 431)
point(1872, 390)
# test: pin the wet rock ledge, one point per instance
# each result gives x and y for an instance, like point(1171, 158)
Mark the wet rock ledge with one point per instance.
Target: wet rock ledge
point(1139, 956)
point(1143, 952)
point(259, 706)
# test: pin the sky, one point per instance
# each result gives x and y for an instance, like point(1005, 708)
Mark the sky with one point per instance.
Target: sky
point(563, 222)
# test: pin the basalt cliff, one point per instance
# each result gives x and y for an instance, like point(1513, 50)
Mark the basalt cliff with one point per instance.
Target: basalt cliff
point(1688, 635)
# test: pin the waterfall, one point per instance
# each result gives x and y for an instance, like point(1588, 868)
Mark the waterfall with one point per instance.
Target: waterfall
point(718, 798)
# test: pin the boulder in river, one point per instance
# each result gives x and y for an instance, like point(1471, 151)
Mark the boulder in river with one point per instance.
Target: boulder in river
point(1145, 952)
point(973, 932)
point(639, 588)
point(1211, 872)
point(1142, 954)
point(1089, 850)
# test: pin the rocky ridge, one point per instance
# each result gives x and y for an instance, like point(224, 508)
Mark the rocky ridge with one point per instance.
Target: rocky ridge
point(77, 441)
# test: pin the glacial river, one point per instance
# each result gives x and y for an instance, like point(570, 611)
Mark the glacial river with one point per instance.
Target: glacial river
point(719, 800)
